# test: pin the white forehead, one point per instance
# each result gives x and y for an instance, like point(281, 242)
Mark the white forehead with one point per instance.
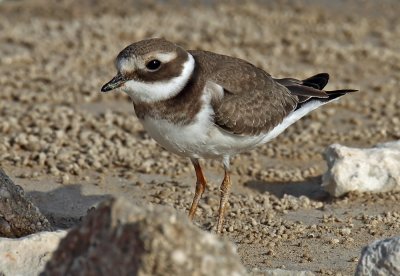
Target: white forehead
point(132, 63)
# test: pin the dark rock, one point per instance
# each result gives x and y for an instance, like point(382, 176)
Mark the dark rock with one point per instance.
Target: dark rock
point(18, 216)
point(119, 238)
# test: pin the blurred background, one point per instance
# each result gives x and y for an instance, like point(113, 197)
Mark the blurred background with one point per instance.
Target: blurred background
point(57, 129)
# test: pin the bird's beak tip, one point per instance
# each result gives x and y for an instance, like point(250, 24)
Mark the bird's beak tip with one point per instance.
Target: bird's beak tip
point(105, 88)
point(116, 82)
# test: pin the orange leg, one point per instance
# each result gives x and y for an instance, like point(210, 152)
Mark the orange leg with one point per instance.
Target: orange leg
point(200, 187)
point(225, 189)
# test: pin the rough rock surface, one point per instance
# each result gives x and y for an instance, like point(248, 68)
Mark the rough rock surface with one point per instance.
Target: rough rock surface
point(28, 255)
point(380, 258)
point(18, 216)
point(365, 170)
point(119, 238)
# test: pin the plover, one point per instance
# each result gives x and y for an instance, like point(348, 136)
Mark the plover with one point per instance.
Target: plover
point(204, 105)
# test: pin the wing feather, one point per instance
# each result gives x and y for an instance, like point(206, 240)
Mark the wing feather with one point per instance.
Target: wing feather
point(253, 102)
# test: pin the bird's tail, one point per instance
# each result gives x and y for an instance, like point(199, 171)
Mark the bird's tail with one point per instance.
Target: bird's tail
point(311, 89)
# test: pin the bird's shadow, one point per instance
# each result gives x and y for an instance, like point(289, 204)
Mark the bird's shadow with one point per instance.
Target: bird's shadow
point(310, 188)
point(65, 207)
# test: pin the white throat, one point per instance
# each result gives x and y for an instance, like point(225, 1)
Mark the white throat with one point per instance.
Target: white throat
point(150, 92)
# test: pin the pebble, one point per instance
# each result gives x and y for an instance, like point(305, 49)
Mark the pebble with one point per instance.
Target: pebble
point(65, 179)
point(345, 231)
point(334, 241)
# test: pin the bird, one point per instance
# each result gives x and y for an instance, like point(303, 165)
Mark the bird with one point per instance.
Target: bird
point(203, 105)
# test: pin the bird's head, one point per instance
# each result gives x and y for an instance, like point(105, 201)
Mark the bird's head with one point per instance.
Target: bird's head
point(151, 70)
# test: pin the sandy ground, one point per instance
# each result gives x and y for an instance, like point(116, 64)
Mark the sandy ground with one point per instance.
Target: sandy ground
point(70, 146)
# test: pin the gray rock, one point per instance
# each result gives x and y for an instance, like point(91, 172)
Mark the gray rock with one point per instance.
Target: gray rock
point(380, 258)
point(28, 255)
point(119, 238)
point(365, 170)
point(18, 216)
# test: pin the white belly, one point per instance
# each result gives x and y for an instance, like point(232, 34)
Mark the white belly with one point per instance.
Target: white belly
point(203, 139)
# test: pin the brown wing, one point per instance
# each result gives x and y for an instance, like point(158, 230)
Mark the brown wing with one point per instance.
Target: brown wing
point(253, 102)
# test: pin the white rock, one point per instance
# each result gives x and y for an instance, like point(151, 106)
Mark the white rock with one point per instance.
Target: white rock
point(28, 255)
point(365, 170)
point(380, 258)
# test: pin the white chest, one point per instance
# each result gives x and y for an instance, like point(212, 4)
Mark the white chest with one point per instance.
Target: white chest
point(185, 140)
point(200, 139)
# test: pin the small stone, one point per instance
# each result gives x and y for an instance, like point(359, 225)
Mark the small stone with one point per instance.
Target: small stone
point(334, 241)
point(345, 231)
point(65, 179)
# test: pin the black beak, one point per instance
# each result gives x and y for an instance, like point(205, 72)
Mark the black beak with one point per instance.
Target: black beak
point(116, 82)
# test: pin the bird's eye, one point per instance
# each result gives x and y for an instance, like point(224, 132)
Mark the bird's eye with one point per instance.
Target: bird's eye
point(153, 64)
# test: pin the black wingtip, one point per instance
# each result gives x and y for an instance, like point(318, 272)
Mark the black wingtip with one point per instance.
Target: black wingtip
point(341, 91)
point(338, 93)
point(318, 81)
point(332, 95)
point(321, 75)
